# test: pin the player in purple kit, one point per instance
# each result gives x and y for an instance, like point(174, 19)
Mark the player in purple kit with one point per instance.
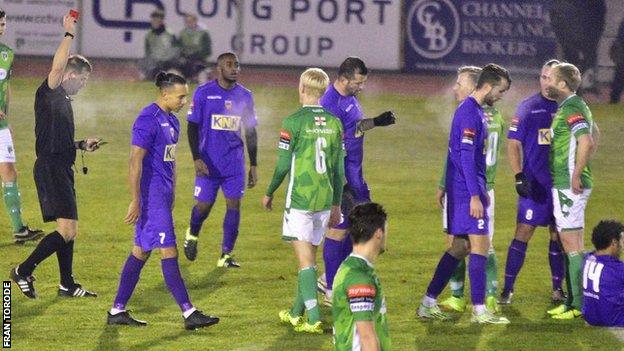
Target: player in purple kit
point(603, 277)
point(467, 198)
point(220, 110)
point(528, 150)
point(340, 99)
point(152, 184)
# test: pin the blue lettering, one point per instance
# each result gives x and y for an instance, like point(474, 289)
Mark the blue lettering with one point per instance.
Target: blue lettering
point(257, 40)
point(266, 10)
point(298, 6)
point(333, 14)
point(284, 46)
point(382, 6)
point(324, 45)
point(307, 47)
point(354, 7)
point(200, 8)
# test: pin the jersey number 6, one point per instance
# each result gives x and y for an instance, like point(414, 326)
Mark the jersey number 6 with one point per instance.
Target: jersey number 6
point(321, 166)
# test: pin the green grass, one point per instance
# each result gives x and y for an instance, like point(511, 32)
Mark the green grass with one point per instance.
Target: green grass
point(402, 167)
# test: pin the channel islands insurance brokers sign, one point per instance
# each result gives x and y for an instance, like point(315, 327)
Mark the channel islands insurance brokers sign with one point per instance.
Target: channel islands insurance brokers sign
point(444, 34)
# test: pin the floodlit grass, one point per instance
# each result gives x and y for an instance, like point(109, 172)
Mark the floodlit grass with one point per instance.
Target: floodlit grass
point(402, 167)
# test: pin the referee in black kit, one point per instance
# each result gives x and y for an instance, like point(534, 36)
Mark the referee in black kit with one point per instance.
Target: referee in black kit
point(54, 177)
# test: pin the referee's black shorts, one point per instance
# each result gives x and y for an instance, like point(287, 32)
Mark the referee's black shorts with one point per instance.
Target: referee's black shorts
point(55, 186)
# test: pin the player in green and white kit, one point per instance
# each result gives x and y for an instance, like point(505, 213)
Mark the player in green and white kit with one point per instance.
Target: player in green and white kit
point(466, 82)
point(571, 147)
point(310, 149)
point(8, 173)
point(358, 303)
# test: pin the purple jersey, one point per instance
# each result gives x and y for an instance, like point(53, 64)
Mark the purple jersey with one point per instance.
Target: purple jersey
point(603, 291)
point(157, 132)
point(531, 126)
point(465, 171)
point(349, 112)
point(221, 114)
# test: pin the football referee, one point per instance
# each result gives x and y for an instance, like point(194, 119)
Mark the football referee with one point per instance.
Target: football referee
point(56, 152)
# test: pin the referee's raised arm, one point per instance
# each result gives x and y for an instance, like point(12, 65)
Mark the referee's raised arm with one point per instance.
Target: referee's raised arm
point(55, 77)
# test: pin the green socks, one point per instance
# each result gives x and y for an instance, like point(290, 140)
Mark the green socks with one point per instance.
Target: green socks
point(575, 263)
point(459, 276)
point(491, 273)
point(307, 293)
point(298, 306)
point(457, 280)
point(13, 204)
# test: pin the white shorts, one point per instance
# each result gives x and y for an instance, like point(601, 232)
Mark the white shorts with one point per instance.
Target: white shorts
point(7, 151)
point(306, 226)
point(490, 213)
point(569, 209)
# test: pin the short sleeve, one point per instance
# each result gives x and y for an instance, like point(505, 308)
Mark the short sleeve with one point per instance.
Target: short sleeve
point(287, 137)
point(577, 123)
point(143, 132)
point(517, 128)
point(195, 111)
point(361, 293)
point(250, 119)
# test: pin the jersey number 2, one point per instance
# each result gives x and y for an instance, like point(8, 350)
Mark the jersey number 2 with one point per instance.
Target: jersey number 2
point(321, 166)
point(592, 272)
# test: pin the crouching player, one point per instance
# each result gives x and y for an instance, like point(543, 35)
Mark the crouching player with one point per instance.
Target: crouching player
point(603, 277)
point(152, 184)
point(310, 149)
point(359, 306)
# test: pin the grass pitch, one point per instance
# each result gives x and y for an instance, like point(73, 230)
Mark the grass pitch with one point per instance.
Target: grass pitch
point(402, 166)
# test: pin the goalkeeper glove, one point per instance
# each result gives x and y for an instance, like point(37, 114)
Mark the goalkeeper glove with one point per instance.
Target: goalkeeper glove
point(523, 187)
point(385, 119)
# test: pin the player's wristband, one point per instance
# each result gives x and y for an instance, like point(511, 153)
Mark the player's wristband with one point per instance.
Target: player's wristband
point(80, 144)
point(68, 34)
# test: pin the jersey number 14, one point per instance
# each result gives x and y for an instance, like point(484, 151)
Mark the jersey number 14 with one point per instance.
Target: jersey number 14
point(592, 272)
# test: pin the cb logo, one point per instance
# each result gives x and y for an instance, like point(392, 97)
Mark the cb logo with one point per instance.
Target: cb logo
point(433, 27)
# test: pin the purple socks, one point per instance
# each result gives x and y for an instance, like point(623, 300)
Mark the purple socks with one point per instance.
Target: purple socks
point(332, 254)
point(230, 230)
point(515, 260)
point(197, 219)
point(557, 264)
point(173, 279)
point(443, 273)
point(128, 281)
point(477, 276)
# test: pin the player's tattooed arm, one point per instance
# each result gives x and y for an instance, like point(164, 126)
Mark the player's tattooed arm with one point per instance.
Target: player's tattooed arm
point(584, 149)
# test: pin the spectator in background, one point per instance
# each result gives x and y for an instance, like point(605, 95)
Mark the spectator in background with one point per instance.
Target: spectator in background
point(162, 50)
point(578, 27)
point(617, 55)
point(196, 47)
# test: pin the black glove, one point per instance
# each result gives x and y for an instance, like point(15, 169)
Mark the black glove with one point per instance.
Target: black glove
point(523, 187)
point(385, 119)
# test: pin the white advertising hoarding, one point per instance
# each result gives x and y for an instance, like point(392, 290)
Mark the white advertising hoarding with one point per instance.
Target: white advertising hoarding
point(34, 27)
point(275, 32)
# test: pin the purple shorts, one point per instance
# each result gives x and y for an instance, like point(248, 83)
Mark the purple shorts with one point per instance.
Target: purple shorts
point(206, 188)
point(535, 213)
point(459, 220)
point(154, 229)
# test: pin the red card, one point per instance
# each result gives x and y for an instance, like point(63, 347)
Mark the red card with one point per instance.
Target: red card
point(75, 14)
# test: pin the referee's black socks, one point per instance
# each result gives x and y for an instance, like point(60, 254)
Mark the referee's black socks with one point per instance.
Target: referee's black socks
point(47, 246)
point(65, 257)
